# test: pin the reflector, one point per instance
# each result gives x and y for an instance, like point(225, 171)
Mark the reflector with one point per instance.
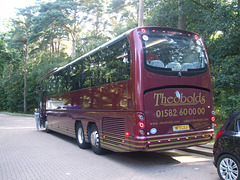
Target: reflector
point(141, 132)
point(141, 117)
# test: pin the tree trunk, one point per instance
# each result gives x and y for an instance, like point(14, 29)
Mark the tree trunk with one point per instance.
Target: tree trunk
point(181, 16)
point(25, 79)
point(74, 36)
point(51, 50)
point(140, 13)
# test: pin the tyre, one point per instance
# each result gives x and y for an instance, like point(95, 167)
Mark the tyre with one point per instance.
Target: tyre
point(80, 137)
point(95, 140)
point(228, 167)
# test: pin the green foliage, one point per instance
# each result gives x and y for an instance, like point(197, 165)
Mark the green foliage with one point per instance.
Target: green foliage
point(12, 86)
point(163, 14)
point(4, 56)
point(224, 53)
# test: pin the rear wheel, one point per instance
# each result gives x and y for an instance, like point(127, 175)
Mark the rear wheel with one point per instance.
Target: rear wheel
point(95, 140)
point(80, 137)
point(228, 167)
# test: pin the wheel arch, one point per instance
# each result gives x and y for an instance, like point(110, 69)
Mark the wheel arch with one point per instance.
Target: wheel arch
point(76, 123)
point(222, 154)
point(85, 128)
point(225, 153)
point(89, 129)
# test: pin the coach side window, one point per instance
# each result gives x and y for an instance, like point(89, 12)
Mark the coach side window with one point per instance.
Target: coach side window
point(116, 62)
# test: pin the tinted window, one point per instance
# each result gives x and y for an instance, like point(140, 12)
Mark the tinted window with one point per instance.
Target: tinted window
point(234, 126)
point(115, 65)
point(111, 64)
point(238, 125)
point(171, 52)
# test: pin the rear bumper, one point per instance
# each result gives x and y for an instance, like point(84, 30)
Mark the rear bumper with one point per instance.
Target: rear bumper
point(171, 141)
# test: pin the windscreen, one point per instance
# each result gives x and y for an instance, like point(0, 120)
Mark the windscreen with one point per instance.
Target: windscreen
point(173, 51)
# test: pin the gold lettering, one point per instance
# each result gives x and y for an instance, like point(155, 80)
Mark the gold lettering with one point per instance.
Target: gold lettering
point(203, 100)
point(198, 98)
point(176, 100)
point(190, 99)
point(163, 99)
point(170, 98)
point(156, 96)
point(160, 98)
point(183, 98)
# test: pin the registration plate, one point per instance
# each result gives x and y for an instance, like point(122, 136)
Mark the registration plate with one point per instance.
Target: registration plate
point(181, 128)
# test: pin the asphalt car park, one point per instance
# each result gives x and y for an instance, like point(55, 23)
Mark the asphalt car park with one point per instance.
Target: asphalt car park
point(27, 154)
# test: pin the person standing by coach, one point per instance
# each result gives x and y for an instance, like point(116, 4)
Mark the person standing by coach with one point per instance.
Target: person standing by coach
point(36, 113)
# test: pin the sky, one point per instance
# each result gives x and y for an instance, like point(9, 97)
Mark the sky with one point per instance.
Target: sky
point(7, 9)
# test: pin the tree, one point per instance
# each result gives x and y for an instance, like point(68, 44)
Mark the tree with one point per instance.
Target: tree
point(181, 16)
point(20, 37)
point(96, 30)
point(123, 15)
point(57, 21)
point(224, 52)
point(140, 13)
point(4, 59)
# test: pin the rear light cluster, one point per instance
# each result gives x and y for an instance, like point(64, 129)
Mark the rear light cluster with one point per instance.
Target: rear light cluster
point(219, 133)
point(141, 124)
point(213, 119)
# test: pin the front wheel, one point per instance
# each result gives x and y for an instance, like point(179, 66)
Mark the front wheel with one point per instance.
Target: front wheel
point(95, 140)
point(81, 138)
point(228, 167)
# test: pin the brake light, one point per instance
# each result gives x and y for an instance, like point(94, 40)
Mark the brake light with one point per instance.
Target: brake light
point(141, 125)
point(213, 118)
point(219, 133)
point(144, 30)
